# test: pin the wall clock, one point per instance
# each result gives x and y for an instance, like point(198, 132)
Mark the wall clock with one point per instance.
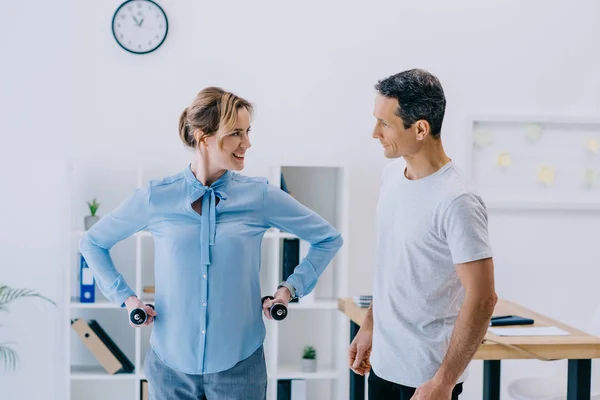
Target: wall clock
point(140, 26)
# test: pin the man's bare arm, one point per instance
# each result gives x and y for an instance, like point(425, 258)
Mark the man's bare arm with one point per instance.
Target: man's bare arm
point(477, 278)
point(368, 321)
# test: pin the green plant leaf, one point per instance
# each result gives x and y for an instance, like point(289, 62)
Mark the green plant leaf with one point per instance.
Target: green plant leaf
point(309, 352)
point(8, 295)
point(94, 205)
point(9, 356)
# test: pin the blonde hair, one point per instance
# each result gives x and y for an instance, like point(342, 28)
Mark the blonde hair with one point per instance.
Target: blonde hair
point(214, 111)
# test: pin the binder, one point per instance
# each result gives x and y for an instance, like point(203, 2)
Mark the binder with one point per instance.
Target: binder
point(144, 391)
point(291, 389)
point(102, 346)
point(290, 259)
point(87, 283)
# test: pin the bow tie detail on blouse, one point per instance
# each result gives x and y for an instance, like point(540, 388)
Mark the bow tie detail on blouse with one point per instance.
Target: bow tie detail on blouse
point(209, 215)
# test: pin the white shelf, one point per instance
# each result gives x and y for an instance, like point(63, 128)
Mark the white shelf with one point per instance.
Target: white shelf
point(295, 372)
point(316, 305)
point(93, 372)
point(100, 302)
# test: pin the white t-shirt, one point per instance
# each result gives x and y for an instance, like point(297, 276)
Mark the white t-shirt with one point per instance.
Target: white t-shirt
point(424, 227)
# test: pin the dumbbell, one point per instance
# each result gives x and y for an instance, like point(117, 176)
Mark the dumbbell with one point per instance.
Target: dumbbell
point(278, 310)
point(138, 316)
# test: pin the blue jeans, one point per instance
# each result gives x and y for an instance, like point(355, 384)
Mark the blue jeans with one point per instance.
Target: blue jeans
point(247, 380)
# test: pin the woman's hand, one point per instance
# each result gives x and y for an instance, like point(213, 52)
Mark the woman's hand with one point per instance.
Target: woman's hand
point(282, 296)
point(132, 302)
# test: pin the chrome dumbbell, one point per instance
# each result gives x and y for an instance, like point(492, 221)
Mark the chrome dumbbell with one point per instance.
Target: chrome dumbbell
point(138, 316)
point(278, 310)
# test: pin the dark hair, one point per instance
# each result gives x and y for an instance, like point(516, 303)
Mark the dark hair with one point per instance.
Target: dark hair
point(420, 96)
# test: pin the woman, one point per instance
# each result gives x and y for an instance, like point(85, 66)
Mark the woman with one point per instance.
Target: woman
point(208, 223)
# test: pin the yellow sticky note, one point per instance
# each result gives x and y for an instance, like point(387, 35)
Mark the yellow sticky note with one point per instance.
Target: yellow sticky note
point(504, 160)
point(482, 137)
point(533, 132)
point(592, 145)
point(589, 178)
point(546, 175)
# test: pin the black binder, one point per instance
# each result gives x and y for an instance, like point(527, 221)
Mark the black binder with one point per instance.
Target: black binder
point(128, 366)
point(290, 259)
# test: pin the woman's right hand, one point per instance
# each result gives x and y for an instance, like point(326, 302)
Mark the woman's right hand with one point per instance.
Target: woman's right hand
point(132, 302)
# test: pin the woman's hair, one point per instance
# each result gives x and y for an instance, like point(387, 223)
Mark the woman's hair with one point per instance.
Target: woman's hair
point(214, 111)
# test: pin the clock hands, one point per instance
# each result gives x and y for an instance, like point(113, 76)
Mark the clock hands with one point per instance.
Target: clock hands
point(138, 23)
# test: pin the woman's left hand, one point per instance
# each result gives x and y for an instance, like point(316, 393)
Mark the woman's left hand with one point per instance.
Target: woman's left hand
point(282, 296)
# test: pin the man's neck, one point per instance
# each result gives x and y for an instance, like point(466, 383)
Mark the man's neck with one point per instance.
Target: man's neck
point(204, 173)
point(427, 161)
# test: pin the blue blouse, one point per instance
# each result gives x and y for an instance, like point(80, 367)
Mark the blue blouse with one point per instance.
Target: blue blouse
point(207, 267)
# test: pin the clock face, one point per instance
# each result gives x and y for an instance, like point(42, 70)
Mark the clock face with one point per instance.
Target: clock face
point(140, 26)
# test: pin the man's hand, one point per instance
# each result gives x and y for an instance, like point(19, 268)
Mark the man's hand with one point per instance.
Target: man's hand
point(282, 296)
point(433, 390)
point(360, 352)
point(132, 302)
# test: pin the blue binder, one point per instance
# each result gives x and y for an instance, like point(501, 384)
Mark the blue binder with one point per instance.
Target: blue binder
point(87, 283)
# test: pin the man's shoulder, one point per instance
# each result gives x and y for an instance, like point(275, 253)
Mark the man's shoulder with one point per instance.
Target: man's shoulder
point(455, 189)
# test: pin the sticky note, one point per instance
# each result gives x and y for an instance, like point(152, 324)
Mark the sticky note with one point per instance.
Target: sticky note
point(592, 145)
point(504, 160)
point(589, 178)
point(482, 137)
point(533, 132)
point(546, 175)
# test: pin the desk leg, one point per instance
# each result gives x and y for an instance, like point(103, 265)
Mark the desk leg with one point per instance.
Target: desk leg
point(357, 382)
point(491, 380)
point(580, 380)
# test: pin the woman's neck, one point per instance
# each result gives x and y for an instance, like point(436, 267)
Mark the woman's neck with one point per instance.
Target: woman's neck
point(204, 172)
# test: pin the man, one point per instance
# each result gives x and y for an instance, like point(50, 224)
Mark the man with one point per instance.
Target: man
point(433, 292)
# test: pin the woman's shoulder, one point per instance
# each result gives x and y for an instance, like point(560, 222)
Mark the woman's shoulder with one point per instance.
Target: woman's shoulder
point(165, 181)
point(259, 181)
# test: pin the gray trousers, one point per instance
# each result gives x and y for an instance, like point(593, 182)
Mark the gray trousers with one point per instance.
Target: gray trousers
point(247, 380)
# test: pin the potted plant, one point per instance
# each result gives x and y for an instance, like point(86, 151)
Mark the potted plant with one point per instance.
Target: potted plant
point(8, 355)
point(309, 359)
point(92, 218)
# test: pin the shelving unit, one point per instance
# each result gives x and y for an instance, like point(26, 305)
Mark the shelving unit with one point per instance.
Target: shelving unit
point(316, 323)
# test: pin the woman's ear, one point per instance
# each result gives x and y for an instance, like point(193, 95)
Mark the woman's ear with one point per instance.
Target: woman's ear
point(199, 137)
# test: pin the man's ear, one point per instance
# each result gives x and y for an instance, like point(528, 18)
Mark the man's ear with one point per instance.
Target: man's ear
point(423, 129)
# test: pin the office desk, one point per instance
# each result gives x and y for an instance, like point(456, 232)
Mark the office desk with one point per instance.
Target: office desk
point(579, 348)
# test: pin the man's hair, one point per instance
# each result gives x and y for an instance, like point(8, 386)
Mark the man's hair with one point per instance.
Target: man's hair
point(420, 96)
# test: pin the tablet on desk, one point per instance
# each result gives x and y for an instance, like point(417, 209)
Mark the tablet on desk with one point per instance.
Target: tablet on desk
point(506, 320)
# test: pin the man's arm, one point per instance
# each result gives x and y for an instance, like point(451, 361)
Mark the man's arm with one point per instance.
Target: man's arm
point(477, 278)
point(360, 349)
point(368, 321)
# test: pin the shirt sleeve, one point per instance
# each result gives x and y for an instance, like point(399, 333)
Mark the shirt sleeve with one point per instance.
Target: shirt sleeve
point(282, 211)
point(128, 218)
point(465, 226)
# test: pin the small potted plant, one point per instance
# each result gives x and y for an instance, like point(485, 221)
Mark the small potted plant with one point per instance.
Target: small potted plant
point(92, 218)
point(309, 359)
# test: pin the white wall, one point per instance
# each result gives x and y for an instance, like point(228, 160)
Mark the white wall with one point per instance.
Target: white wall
point(68, 90)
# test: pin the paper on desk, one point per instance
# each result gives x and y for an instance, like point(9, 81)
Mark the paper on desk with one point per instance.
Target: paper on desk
point(531, 331)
